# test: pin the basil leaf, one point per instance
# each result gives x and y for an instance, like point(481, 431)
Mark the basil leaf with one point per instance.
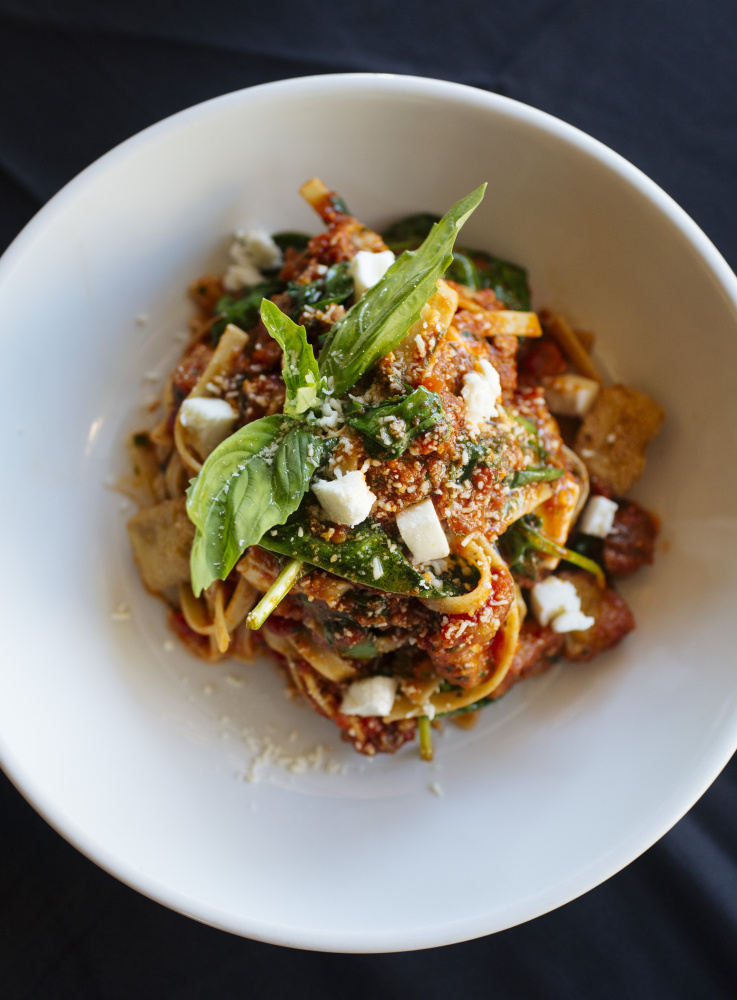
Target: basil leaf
point(255, 479)
point(380, 319)
point(353, 557)
point(389, 427)
point(300, 373)
point(407, 234)
point(335, 286)
point(243, 312)
point(293, 241)
point(525, 476)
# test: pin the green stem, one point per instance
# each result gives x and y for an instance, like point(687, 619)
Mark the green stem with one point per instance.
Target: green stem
point(544, 544)
point(425, 734)
point(278, 590)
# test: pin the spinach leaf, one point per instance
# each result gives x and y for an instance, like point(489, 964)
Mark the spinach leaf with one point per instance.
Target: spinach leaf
point(523, 542)
point(525, 476)
point(381, 318)
point(464, 271)
point(389, 427)
point(407, 234)
point(255, 479)
point(353, 558)
point(294, 241)
point(472, 454)
point(517, 548)
point(509, 281)
point(362, 649)
point(335, 286)
point(243, 312)
point(301, 376)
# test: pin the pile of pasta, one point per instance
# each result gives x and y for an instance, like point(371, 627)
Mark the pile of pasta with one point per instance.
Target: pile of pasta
point(510, 491)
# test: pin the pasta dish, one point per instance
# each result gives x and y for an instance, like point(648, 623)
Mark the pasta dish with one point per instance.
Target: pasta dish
point(376, 462)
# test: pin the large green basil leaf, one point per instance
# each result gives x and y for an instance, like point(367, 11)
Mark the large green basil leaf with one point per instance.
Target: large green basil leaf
point(244, 312)
point(389, 427)
point(255, 479)
point(336, 285)
point(380, 319)
point(353, 558)
point(300, 373)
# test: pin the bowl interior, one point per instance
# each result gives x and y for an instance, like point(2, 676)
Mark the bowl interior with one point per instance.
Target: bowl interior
point(203, 786)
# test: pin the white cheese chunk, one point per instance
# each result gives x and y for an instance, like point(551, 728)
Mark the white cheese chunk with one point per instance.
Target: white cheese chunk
point(555, 602)
point(370, 696)
point(367, 268)
point(259, 247)
point(481, 391)
point(422, 532)
point(252, 252)
point(598, 517)
point(570, 395)
point(239, 276)
point(207, 422)
point(571, 621)
point(347, 500)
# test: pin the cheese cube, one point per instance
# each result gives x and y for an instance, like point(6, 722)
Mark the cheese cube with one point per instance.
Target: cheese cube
point(207, 422)
point(481, 392)
point(571, 621)
point(598, 517)
point(570, 395)
point(367, 268)
point(347, 500)
point(422, 532)
point(370, 696)
point(552, 597)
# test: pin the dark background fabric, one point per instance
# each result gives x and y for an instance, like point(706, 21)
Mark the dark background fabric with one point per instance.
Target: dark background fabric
point(654, 79)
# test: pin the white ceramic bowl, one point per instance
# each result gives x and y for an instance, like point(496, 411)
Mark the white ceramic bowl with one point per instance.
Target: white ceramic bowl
point(135, 752)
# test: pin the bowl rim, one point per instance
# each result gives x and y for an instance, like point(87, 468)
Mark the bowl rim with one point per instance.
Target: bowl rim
point(399, 85)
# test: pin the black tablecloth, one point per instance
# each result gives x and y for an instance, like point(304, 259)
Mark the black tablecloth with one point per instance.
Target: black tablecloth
point(654, 79)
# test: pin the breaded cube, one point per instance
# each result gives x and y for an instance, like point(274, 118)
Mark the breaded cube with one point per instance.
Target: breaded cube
point(161, 537)
point(614, 436)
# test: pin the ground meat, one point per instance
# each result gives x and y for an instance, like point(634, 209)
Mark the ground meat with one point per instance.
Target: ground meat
point(206, 292)
point(538, 646)
point(460, 645)
point(266, 354)
point(540, 357)
point(502, 349)
point(399, 483)
point(631, 542)
point(187, 373)
point(613, 619)
point(261, 396)
point(341, 242)
point(473, 505)
point(372, 735)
